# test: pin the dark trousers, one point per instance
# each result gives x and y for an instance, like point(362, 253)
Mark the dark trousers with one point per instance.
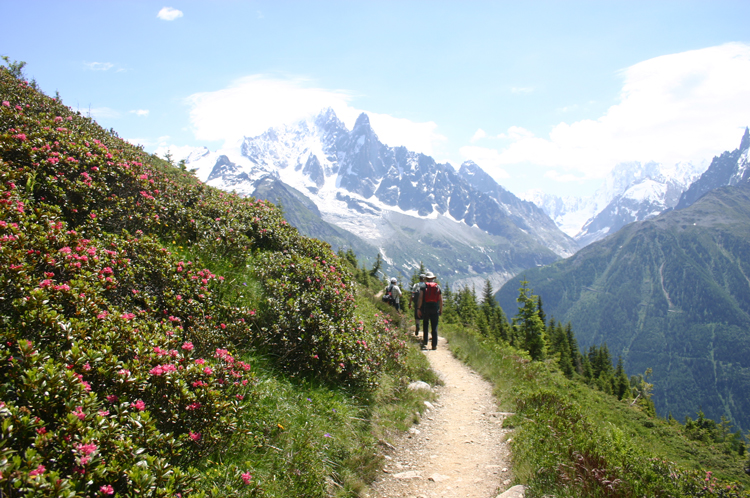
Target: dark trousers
point(430, 317)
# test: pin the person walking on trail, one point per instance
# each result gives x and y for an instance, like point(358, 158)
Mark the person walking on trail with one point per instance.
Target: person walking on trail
point(413, 297)
point(430, 307)
point(395, 294)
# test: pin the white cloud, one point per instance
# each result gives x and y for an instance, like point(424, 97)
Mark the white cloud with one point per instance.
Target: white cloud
point(178, 152)
point(681, 107)
point(522, 89)
point(102, 113)
point(140, 112)
point(478, 135)
point(488, 159)
point(253, 104)
point(169, 14)
point(99, 66)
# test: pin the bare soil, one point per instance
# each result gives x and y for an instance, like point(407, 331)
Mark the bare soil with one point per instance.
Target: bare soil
point(458, 449)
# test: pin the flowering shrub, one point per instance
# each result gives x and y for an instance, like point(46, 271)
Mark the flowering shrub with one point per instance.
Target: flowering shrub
point(118, 359)
point(315, 324)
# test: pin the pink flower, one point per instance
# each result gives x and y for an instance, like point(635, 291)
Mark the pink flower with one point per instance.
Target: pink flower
point(111, 398)
point(188, 346)
point(178, 297)
point(78, 412)
point(195, 436)
point(200, 361)
point(6, 103)
point(38, 471)
point(246, 477)
point(139, 405)
point(86, 449)
point(102, 315)
point(107, 490)
point(208, 371)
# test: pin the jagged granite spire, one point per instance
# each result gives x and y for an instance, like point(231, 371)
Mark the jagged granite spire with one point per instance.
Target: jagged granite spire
point(727, 169)
point(745, 143)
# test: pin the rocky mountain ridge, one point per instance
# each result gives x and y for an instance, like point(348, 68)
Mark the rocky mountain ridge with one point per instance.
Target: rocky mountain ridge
point(388, 196)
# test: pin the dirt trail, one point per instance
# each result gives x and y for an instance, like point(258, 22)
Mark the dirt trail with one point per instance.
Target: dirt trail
point(458, 449)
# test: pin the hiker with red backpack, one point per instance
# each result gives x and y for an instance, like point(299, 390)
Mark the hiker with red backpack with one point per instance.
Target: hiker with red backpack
point(430, 307)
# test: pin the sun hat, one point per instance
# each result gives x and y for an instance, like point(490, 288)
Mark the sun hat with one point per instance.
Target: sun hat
point(393, 280)
point(429, 275)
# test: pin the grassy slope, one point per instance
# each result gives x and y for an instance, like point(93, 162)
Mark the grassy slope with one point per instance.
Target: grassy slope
point(74, 322)
point(575, 441)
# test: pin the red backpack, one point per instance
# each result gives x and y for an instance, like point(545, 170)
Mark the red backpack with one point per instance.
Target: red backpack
point(431, 292)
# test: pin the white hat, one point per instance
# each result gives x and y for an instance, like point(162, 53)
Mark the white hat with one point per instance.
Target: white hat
point(393, 280)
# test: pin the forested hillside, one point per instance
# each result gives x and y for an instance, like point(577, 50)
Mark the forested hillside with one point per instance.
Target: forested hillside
point(671, 294)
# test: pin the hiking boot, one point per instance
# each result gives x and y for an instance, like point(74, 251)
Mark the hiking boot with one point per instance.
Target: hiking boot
point(434, 347)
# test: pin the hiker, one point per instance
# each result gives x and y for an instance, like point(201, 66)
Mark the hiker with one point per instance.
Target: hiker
point(430, 307)
point(395, 294)
point(413, 297)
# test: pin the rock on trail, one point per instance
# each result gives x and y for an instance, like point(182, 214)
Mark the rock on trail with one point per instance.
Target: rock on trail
point(459, 448)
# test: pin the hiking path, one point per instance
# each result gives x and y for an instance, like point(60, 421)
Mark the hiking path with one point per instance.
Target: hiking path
point(458, 449)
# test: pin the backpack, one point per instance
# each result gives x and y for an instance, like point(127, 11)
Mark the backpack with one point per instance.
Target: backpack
point(415, 295)
point(387, 296)
point(431, 292)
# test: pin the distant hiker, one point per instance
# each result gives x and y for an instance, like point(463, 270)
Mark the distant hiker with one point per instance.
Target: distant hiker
point(395, 294)
point(430, 307)
point(413, 298)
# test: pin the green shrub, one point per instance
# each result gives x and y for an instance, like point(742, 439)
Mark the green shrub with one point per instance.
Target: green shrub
point(118, 366)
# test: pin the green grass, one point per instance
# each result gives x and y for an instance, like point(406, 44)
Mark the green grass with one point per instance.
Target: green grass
point(302, 437)
point(571, 440)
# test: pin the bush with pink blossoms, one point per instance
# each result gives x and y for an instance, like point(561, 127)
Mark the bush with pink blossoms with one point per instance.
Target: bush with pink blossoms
point(118, 349)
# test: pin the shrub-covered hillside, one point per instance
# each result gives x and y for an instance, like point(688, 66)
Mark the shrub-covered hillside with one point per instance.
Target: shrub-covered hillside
point(124, 353)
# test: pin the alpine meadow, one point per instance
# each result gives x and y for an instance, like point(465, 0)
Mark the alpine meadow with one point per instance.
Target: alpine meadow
point(164, 337)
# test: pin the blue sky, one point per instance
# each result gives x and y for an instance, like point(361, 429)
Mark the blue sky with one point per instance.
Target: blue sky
point(541, 94)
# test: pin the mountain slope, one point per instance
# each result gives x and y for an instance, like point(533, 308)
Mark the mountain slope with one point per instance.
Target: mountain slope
point(386, 196)
point(671, 294)
point(633, 191)
point(304, 215)
point(727, 169)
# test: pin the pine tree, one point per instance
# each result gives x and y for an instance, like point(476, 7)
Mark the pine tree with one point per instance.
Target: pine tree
point(488, 296)
point(528, 324)
point(466, 306)
point(417, 272)
point(500, 329)
point(540, 309)
point(575, 353)
point(622, 384)
point(559, 345)
point(378, 265)
point(586, 370)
